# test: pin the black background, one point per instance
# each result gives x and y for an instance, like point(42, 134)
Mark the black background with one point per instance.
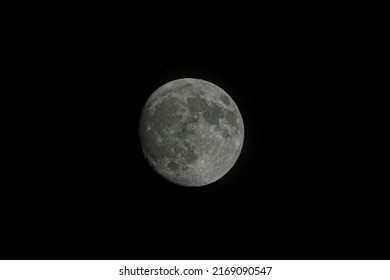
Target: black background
point(83, 190)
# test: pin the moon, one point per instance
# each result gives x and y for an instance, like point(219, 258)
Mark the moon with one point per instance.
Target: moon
point(191, 132)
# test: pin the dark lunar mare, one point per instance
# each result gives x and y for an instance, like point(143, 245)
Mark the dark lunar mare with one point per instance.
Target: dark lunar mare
point(212, 113)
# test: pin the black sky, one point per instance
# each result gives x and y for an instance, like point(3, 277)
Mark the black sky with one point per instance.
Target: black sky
point(86, 191)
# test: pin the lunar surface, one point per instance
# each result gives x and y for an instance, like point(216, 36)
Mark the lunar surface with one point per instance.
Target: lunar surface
point(191, 132)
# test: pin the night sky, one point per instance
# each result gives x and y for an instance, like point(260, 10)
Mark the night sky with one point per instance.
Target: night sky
point(87, 192)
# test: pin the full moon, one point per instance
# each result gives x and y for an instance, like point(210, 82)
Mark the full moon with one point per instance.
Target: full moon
point(191, 132)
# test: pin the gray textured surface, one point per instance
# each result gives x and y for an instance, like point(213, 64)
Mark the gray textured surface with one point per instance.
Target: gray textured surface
point(191, 132)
